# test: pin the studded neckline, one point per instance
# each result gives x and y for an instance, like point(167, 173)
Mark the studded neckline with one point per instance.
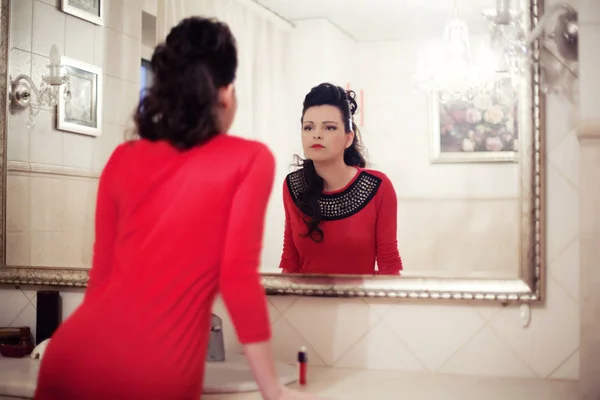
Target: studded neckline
point(342, 203)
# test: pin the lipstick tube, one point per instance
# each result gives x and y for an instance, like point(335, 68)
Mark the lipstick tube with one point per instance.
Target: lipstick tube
point(302, 366)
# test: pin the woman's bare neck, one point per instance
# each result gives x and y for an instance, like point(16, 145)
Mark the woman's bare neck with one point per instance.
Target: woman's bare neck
point(336, 175)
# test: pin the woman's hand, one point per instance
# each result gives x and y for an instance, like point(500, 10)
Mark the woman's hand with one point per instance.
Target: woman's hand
point(260, 358)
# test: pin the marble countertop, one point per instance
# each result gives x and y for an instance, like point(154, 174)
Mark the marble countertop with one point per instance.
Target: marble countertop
point(18, 378)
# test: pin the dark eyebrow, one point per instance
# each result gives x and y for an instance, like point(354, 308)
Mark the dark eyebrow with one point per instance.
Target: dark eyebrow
point(325, 122)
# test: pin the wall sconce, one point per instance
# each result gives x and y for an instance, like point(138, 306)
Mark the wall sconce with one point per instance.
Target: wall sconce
point(22, 89)
point(561, 41)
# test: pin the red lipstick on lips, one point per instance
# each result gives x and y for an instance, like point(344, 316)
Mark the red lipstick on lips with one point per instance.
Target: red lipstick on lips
point(317, 146)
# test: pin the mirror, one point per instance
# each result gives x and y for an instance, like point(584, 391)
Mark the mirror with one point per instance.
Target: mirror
point(445, 121)
point(447, 109)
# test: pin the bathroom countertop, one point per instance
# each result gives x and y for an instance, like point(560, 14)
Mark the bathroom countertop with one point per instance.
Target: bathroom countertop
point(354, 384)
point(18, 378)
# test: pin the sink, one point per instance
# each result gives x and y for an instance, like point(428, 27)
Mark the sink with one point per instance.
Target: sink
point(234, 376)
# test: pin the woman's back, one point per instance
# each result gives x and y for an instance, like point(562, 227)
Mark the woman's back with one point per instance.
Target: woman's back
point(180, 215)
point(174, 206)
point(173, 228)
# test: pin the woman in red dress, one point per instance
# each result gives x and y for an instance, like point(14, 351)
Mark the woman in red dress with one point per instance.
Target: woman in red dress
point(340, 218)
point(179, 217)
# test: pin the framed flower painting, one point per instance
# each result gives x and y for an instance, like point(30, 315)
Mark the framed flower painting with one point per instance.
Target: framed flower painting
point(476, 125)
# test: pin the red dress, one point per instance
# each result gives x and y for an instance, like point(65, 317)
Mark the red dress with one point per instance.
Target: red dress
point(172, 229)
point(359, 228)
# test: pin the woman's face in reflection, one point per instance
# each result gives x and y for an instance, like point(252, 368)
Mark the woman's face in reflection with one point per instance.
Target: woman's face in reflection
point(324, 136)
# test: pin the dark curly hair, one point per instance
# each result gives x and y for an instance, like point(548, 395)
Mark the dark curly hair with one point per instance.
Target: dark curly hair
point(345, 101)
point(198, 57)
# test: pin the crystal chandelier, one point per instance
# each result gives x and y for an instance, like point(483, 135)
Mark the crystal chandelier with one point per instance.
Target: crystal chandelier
point(451, 71)
point(508, 29)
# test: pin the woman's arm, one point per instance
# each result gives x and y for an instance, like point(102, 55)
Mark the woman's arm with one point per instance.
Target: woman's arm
point(290, 260)
point(260, 358)
point(388, 257)
point(239, 282)
point(106, 223)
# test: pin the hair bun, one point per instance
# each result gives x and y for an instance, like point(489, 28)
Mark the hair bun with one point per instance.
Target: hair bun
point(351, 96)
point(162, 60)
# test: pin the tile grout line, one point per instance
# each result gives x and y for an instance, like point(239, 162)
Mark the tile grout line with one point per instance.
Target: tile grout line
point(286, 308)
point(22, 309)
point(555, 280)
point(367, 332)
point(551, 275)
point(549, 376)
point(408, 348)
point(272, 322)
point(573, 185)
point(304, 339)
point(396, 303)
point(514, 351)
point(462, 345)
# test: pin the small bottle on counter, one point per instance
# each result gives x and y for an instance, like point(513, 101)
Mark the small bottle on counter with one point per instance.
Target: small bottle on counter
point(302, 366)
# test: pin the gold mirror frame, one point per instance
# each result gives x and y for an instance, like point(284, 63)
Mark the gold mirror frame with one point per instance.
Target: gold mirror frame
point(529, 287)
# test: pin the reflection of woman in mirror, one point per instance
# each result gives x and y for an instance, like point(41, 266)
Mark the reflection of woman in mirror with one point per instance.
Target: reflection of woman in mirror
point(340, 218)
point(180, 216)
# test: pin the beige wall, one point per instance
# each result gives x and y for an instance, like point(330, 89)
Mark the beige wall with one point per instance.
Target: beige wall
point(457, 337)
point(52, 175)
point(454, 219)
point(589, 11)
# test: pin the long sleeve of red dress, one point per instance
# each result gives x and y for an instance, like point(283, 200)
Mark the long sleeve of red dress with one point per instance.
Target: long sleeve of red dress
point(106, 222)
point(290, 262)
point(241, 253)
point(387, 254)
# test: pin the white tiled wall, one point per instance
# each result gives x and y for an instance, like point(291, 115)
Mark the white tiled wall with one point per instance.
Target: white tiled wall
point(589, 18)
point(59, 230)
point(401, 335)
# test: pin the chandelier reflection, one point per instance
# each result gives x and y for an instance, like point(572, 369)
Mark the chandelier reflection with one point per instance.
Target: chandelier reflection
point(509, 53)
point(509, 36)
point(450, 69)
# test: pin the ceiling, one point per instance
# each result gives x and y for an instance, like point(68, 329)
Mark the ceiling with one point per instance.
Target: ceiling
point(372, 20)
